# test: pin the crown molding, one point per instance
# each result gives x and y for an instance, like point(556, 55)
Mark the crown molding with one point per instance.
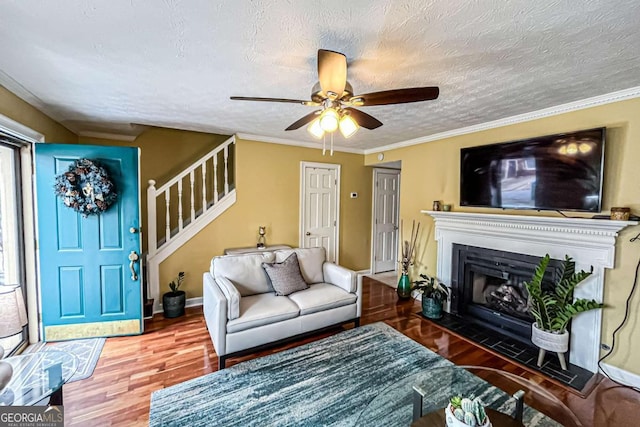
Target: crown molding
point(108, 135)
point(21, 92)
point(284, 141)
point(595, 101)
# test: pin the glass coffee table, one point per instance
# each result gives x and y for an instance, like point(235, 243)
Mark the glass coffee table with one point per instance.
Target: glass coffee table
point(37, 376)
point(420, 399)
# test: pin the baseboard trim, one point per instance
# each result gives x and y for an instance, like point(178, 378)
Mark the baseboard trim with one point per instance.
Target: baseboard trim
point(194, 302)
point(621, 376)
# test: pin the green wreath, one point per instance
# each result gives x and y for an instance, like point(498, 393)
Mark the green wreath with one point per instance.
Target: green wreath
point(86, 188)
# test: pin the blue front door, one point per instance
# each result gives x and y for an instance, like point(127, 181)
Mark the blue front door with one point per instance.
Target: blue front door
point(87, 286)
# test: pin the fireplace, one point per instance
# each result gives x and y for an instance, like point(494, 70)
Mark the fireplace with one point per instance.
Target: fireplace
point(487, 287)
point(590, 242)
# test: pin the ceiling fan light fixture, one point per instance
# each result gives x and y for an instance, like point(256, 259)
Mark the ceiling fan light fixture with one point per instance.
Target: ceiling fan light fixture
point(329, 120)
point(315, 129)
point(348, 126)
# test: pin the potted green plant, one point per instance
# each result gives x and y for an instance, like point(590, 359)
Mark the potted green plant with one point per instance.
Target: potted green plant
point(463, 412)
point(433, 295)
point(173, 302)
point(553, 307)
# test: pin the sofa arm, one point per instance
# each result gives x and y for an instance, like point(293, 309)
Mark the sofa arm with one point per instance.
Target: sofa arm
point(232, 295)
point(339, 276)
point(214, 306)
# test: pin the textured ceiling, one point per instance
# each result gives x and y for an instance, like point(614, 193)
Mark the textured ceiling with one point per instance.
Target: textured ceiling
point(102, 65)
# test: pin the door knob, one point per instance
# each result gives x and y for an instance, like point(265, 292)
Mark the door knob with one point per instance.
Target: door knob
point(133, 257)
point(133, 230)
point(307, 233)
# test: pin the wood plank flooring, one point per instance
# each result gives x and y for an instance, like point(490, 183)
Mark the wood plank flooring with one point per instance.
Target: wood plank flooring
point(175, 350)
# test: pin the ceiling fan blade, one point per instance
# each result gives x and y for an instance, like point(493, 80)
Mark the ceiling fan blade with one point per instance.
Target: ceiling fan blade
point(396, 96)
point(332, 72)
point(303, 121)
point(363, 119)
point(251, 98)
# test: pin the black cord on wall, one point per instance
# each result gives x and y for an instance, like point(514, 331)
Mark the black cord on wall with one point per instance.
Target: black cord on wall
point(624, 320)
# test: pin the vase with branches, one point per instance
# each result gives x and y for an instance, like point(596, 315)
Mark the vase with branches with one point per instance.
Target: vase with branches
point(406, 260)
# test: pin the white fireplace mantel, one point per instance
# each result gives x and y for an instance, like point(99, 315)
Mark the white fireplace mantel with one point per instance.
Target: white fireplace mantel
point(590, 242)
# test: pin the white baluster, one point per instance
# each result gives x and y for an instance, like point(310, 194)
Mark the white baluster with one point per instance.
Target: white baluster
point(205, 205)
point(215, 178)
point(152, 232)
point(180, 221)
point(193, 206)
point(226, 170)
point(167, 199)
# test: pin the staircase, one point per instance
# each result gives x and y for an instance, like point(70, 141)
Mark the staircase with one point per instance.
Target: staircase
point(184, 205)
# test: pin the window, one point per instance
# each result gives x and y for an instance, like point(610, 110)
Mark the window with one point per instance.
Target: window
point(12, 264)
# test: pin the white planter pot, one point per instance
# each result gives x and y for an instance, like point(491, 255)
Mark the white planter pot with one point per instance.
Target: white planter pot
point(452, 421)
point(550, 341)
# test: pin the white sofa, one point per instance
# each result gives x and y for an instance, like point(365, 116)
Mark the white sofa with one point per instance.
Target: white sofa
point(243, 313)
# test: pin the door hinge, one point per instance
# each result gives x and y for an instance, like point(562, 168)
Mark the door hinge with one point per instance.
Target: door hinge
point(335, 223)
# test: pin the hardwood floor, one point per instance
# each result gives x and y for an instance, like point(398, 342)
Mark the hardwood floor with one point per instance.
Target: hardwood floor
point(175, 350)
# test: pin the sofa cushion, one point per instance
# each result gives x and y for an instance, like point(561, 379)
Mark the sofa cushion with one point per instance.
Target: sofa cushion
point(310, 260)
point(285, 276)
point(262, 309)
point(320, 297)
point(244, 271)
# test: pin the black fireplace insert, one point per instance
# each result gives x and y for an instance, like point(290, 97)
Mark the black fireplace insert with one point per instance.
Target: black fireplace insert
point(488, 288)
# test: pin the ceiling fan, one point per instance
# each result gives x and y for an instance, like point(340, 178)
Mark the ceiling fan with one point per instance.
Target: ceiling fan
point(334, 94)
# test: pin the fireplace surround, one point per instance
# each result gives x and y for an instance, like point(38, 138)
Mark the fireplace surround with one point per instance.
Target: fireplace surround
point(590, 242)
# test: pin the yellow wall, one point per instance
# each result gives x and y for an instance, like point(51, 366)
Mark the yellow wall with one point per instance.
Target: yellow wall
point(16, 109)
point(430, 171)
point(163, 154)
point(268, 193)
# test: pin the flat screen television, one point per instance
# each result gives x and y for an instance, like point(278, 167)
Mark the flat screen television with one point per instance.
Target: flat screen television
point(554, 172)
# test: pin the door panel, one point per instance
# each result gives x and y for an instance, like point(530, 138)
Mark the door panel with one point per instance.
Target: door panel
point(320, 208)
point(387, 191)
point(86, 284)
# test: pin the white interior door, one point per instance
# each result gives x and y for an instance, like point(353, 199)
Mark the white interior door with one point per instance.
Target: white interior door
point(386, 192)
point(319, 211)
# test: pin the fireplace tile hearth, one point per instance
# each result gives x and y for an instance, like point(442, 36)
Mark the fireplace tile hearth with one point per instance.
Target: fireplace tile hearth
point(574, 377)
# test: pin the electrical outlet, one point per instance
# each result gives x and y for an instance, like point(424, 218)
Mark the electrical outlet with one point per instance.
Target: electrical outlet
point(605, 347)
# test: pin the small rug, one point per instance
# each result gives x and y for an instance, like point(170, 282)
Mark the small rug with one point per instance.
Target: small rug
point(329, 382)
point(87, 352)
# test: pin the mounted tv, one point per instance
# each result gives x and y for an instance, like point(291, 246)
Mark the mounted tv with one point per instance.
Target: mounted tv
point(555, 172)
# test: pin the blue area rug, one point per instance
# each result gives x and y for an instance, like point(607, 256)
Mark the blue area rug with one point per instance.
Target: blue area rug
point(329, 382)
point(87, 351)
